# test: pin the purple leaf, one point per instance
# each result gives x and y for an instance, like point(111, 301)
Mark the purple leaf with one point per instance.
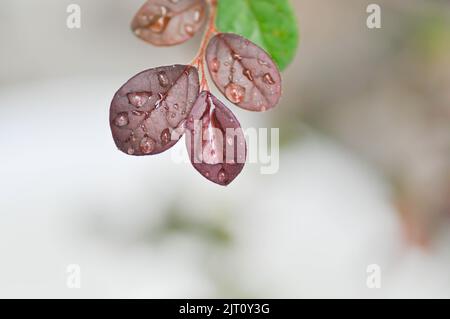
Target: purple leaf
point(215, 141)
point(169, 22)
point(148, 113)
point(243, 72)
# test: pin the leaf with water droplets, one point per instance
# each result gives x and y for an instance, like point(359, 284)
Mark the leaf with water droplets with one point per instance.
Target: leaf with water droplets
point(243, 72)
point(148, 113)
point(215, 140)
point(269, 23)
point(169, 22)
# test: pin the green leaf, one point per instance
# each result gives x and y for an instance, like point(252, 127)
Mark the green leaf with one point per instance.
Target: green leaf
point(269, 23)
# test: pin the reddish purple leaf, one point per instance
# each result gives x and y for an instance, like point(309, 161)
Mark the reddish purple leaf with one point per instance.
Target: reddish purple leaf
point(243, 72)
point(216, 143)
point(169, 22)
point(148, 112)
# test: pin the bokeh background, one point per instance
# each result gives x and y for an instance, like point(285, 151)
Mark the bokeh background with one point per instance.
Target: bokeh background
point(364, 166)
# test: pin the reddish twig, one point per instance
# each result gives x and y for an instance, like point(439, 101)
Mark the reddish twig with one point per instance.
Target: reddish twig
point(199, 60)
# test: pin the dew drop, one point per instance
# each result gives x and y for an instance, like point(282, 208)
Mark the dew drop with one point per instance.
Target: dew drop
point(268, 79)
point(137, 113)
point(143, 127)
point(262, 62)
point(234, 92)
point(143, 20)
point(197, 15)
point(189, 29)
point(132, 138)
point(138, 99)
point(215, 65)
point(164, 11)
point(222, 176)
point(130, 150)
point(165, 136)
point(248, 74)
point(159, 23)
point(237, 56)
point(147, 145)
point(121, 119)
point(163, 79)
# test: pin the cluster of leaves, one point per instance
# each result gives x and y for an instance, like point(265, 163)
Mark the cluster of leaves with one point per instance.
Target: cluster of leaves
point(153, 109)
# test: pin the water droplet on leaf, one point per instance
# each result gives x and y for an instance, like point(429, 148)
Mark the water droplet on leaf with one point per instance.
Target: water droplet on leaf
point(189, 29)
point(236, 56)
point(215, 65)
point(222, 176)
point(235, 93)
point(159, 24)
point(197, 15)
point(138, 99)
point(268, 79)
point(165, 136)
point(121, 119)
point(163, 79)
point(147, 145)
point(248, 74)
point(262, 62)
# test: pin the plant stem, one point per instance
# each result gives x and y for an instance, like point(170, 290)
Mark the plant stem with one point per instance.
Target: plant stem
point(210, 31)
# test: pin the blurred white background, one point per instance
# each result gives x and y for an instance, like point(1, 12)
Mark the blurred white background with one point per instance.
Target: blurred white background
point(148, 227)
